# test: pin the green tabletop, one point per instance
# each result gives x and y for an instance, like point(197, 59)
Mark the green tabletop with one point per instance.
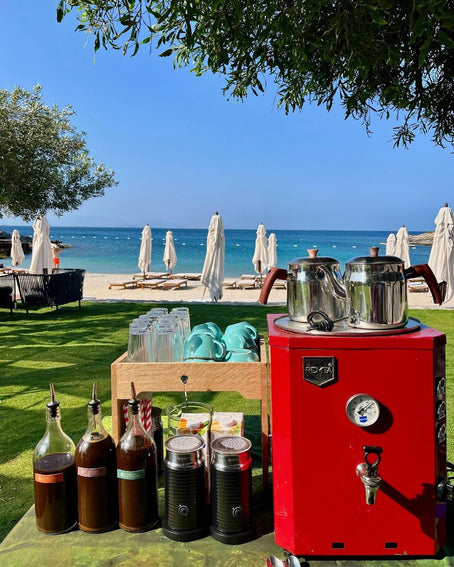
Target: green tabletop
point(25, 546)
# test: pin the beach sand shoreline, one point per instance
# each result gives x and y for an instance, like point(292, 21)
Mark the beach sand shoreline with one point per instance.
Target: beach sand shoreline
point(96, 288)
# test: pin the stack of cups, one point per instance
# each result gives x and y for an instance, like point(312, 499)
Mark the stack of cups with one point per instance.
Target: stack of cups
point(158, 336)
point(242, 343)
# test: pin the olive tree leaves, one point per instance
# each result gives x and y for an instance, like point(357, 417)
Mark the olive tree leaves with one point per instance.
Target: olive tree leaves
point(44, 163)
point(374, 57)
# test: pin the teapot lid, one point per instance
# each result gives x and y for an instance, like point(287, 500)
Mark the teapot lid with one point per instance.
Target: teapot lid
point(374, 258)
point(312, 260)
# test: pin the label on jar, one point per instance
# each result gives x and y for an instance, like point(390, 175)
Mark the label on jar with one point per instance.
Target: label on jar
point(131, 475)
point(48, 478)
point(90, 472)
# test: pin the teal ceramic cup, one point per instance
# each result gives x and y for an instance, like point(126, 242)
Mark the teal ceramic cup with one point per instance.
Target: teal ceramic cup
point(243, 326)
point(202, 347)
point(210, 328)
point(241, 355)
point(235, 339)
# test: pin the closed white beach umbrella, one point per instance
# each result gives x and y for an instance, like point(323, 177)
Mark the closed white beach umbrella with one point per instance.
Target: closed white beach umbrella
point(391, 245)
point(260, 258)
point(272, 250)
point(17, 253)
point(441, 259)
point(145, 250)
point(170, 254)
point(402, 249)
point(213, 267)
point(42, 249)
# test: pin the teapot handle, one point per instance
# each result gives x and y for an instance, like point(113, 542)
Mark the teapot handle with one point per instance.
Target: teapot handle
point(273, 275)
point(425, 271)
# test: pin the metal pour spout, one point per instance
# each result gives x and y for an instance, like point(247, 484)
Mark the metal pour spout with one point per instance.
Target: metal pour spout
point(367, 472)
point(371, 483)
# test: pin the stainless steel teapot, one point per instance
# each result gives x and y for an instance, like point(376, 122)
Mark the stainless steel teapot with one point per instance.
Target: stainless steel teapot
point(313, 284)
point(372, 294)
point(376, 290)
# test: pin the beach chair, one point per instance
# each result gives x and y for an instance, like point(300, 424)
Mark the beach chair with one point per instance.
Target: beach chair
point(417, 285)
point(244, 283)
point(186, 276)
point(174, 284)
point(150, 275)
point(125, 284)
point(150, 284)
point(229, 283)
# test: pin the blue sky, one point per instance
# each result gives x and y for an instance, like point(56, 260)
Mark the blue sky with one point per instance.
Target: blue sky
point(181, 150)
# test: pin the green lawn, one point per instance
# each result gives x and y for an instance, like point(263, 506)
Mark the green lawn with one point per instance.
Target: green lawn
point(72, 349)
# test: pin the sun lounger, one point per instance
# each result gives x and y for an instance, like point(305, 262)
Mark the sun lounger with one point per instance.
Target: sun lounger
point(174, 284)
point(248, 277)
point(246, 283)
point(13, 270)
point(229, 283)
point(186, 276)
point(154, 283)
point(150, 275)
point(416, 286)
point(126, 284)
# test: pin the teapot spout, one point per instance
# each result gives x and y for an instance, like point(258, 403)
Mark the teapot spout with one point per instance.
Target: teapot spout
point(336, 283)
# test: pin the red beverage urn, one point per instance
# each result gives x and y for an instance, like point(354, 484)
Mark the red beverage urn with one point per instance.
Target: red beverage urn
point(358, 439)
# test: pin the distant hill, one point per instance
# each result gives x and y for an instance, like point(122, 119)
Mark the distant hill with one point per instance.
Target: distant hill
point(424, 239)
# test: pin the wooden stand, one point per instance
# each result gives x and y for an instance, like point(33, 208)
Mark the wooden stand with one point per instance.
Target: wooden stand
point(250, 379)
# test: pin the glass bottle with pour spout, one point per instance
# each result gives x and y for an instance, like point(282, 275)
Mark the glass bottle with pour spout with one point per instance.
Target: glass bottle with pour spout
point(137, 474)
point(96, 473)
point(54, 475)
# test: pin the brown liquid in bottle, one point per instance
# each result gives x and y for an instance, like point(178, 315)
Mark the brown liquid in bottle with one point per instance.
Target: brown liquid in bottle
point(97, 484)
point(137, 496)
point(55, 493)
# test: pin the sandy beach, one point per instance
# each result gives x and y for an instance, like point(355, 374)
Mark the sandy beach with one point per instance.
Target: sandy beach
point(96, 288)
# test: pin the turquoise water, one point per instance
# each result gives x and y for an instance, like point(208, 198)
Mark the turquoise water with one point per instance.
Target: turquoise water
point(116, 250)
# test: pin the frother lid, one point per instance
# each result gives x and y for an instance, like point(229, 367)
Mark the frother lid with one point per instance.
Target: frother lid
point(184, 452)
point(184, 443)
point(231, 453)
point(231, 445)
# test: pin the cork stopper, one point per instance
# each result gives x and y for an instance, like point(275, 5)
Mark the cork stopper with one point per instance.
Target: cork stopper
point(312, 252)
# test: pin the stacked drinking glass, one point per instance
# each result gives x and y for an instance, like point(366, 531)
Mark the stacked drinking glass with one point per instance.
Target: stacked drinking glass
point(158, 335)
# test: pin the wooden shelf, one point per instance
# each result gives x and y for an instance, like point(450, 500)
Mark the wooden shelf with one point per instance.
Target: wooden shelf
point(249, 379)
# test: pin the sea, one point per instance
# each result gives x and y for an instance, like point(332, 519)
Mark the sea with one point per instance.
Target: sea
point(116, 250)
